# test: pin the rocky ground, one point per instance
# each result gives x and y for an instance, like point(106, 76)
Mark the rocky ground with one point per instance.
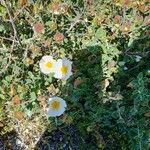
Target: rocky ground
point(64, 138)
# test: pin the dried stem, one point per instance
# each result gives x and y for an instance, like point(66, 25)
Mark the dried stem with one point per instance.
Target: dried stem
point(8, 39)
point(14, 37)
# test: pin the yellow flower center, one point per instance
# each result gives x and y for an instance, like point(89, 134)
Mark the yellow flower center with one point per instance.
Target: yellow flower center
point(55, 104)
point(64, 69)
point(49, 64)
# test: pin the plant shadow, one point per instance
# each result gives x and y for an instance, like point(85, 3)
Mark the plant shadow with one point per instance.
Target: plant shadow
point(80, 92)
point(11, 141)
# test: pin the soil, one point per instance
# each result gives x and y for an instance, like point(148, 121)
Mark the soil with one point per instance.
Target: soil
point(63, 138)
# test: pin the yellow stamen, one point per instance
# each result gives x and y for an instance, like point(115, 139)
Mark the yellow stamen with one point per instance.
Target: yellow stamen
point(49, 64)
point(64, 69)
point(55, 104)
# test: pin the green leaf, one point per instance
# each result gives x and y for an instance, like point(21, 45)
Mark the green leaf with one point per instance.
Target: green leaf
point(101, 34)
point(2, 10)
point(2, 96)
point(2, 28)
point(33, 96)
point(31, 75)
point(29, 113)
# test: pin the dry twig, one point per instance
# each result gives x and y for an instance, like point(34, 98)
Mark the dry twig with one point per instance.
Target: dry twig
point(14, 37)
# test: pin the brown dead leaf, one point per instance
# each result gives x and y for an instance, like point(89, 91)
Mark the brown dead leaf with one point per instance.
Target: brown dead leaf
point(42, 101)
point(52, 90)
point(23, 2)
point(56, 7)
point(16, 100)
point(125, 28)
point(19, 115)
point(67, 119)
point(147, 114)
point(47, 42)
point(29, 61)
point(58, 37)
point(12, 90)
point(35, 49)
point(111, 64)
point(1, 124)
point(130, 85)
point(41, 98)
point(105, 83)
point(39, 27)
point(77, 82)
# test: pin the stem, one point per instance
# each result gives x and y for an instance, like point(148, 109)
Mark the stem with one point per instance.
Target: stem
point(140, 146)
point(119, 113)
point(56, 121)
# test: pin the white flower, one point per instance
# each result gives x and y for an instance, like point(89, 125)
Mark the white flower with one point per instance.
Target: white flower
point(63, 69)
point(47, 64)
point(57, 106)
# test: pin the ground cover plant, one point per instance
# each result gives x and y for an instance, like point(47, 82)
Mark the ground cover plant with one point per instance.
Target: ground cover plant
point(76, 72)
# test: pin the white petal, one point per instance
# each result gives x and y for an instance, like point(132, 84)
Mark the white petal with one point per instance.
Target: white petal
point(53, 113)
point(58, 65)
point(63, 103)
point(44, 70)
point(57, 112)
point(47, 58)
point(67, 76)
point(42, 62)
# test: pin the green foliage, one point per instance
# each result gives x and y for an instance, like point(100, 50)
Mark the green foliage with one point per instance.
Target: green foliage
point(108, 96)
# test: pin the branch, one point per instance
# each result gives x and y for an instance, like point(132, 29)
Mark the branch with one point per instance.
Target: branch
point(11, 19)
point(8, 39)
point(134, 53)
point(77, 20)
point(13, 40)
point(12, 22)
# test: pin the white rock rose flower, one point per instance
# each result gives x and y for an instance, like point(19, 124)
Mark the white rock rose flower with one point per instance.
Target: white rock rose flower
point(57, 106)
point(63, 69)
point(47, 64)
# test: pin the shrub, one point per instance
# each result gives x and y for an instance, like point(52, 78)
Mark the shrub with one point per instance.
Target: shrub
point(108, 42)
